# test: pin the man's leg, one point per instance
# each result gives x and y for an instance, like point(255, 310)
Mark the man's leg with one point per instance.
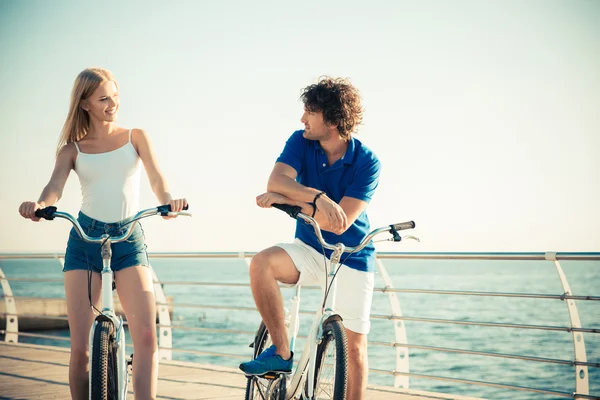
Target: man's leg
point(266, 268)
point(358, 365)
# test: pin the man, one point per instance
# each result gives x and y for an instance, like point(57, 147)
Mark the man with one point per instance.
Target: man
point(332, 176)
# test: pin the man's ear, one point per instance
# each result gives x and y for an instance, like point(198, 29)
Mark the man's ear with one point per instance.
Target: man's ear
point(332, 127)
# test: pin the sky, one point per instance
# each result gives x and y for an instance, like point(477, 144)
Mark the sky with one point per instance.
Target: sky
point(484, 114)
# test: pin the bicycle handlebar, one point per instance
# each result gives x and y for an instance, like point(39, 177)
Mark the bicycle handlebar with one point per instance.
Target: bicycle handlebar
point(292, 211)
point(295, 212)
point(404, 225)
point(51, 212)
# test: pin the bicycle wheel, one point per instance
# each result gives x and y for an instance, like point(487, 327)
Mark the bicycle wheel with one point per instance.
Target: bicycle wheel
point(265, 388)
point(103, 372)
point(331, 367)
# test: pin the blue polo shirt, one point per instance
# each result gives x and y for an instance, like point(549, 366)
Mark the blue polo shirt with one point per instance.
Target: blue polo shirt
point(355, 175)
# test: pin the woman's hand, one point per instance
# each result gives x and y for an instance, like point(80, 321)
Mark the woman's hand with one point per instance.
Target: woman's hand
point(28, 209)
point(177, 205)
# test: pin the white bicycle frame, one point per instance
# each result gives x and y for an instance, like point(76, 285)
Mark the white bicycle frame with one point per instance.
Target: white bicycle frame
point(107, 289)
point(108, 311)
point(309, 354)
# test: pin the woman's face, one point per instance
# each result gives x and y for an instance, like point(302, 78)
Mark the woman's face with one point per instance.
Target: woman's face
point(103, 104)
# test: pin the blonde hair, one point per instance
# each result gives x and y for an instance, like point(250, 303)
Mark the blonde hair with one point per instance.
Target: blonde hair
point(77, 123)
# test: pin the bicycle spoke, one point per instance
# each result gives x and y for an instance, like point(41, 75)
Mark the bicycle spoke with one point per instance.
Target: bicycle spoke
point(326, 380)
point(258, 388)
point(331, 372)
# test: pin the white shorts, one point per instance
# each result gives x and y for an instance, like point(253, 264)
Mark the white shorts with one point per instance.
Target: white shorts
point(354, 288)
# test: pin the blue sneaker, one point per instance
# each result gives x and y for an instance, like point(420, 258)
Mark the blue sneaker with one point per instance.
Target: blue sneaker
point(268, 361)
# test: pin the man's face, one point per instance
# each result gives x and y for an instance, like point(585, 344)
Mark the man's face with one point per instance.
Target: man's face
point(315, 128)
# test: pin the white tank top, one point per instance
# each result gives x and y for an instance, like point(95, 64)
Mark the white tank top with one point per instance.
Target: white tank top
point(110, 183)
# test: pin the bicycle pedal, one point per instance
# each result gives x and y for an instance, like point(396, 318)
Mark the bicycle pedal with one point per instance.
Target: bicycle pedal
point(273, 375)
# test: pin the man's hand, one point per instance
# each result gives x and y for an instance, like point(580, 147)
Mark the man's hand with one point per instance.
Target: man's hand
point(336, 217)
point(265, 200)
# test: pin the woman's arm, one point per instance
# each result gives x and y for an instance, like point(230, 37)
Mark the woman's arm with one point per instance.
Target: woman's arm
point(52, 192)
point(143, 145)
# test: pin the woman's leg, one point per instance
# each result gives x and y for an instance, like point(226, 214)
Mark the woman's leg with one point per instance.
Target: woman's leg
point(136, 293)
point(80, 317)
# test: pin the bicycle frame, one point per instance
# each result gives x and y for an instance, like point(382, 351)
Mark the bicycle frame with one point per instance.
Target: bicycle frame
point(309, 354)
point(108, 311)
point(107, 281)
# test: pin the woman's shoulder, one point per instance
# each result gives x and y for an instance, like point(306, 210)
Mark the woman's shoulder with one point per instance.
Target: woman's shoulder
point(138, 133)
point(67, 150)
point(139, 139)
point(67, 155)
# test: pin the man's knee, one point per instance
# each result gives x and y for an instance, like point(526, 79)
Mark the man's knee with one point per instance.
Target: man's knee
point(260, 265)
point(275, 263)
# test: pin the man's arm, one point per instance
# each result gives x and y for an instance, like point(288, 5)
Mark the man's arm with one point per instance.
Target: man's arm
point(331, 216)
point(352, 208)
point(283, 181)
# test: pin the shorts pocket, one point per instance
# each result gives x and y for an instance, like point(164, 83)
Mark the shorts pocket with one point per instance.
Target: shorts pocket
point(73, 235)
point(86, 229)
point(136, 237)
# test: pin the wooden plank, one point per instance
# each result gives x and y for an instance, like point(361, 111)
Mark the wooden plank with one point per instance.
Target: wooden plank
point(41, 372)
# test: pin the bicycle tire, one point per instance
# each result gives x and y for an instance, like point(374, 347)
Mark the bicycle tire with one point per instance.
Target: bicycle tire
point(257, 387)
point(103, 371)
point(334, 334)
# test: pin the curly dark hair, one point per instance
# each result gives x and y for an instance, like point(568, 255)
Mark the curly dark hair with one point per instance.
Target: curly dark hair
point(339, 102)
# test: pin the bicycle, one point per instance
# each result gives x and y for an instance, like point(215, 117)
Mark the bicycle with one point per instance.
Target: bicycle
point(327, 332)
point(108, 366)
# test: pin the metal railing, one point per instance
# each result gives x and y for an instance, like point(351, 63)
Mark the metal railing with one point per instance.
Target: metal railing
point(401, 371)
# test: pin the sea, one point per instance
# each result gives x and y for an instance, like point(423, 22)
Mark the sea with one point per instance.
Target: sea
point(538, 277)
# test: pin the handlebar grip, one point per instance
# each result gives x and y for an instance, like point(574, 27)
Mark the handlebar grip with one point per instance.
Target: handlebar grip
point(166, 208)
point(292, 211)
point(46, 213)
point(404, 225)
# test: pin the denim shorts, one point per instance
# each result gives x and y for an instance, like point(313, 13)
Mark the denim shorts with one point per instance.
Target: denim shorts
point(84, 255)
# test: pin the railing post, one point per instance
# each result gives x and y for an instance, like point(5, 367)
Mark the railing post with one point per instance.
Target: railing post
point(581, 371)
point(12, 322)
point(165, 334)
point(402, 364)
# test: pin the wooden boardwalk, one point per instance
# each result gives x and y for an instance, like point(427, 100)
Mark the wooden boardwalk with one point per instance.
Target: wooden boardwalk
point(41, 372)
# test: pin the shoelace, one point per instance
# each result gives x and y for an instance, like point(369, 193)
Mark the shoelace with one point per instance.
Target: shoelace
point(267, 353)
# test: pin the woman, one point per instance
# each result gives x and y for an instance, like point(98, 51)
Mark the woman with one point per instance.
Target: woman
point(106, 157)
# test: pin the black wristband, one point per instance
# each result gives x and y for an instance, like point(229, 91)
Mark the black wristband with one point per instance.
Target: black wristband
point(314, 209)
point(315, 200)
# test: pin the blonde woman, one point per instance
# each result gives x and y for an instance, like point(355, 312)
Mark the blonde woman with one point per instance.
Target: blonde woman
point(107, 159)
